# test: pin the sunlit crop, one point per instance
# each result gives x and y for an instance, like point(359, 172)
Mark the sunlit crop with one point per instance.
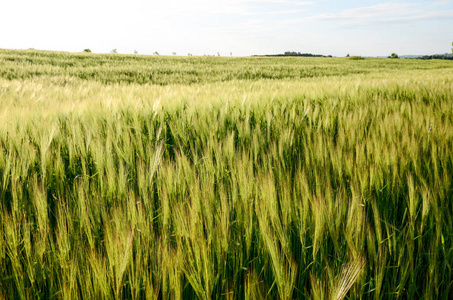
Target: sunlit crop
point(137, 177)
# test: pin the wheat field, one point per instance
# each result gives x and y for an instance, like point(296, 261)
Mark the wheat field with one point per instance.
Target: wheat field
point(153, 177)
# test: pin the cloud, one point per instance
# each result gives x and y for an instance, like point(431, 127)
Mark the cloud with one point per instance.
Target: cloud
point(439, 3)
point(269, 2)
point(380, 13)
point(447, 14)
point(238, 7)
point(379, 10)
point(296, 3)
point(277, 12)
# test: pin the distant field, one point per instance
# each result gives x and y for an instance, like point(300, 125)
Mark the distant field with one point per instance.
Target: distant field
point(165, 70)
point(132, 177)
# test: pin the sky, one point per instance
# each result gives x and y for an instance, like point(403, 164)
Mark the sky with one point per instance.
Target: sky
point(237, 27)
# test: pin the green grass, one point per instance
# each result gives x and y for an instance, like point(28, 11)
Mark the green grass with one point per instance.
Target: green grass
point(138, 177)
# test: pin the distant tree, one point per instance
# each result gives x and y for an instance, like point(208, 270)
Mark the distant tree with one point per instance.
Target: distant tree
point(218, 53)
point(231, 53)
point(174, 53)
point(87, 50)
point(437, 56)
point(452, 48)
point(393, 55)
point(114, 51)
point(292, 53)
point(135, 52)
point(156, 53)
point(347, 55)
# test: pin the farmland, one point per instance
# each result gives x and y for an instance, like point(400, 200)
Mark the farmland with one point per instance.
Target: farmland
point(132, 177)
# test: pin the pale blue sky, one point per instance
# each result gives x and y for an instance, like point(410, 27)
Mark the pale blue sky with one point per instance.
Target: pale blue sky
point(243, 27)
